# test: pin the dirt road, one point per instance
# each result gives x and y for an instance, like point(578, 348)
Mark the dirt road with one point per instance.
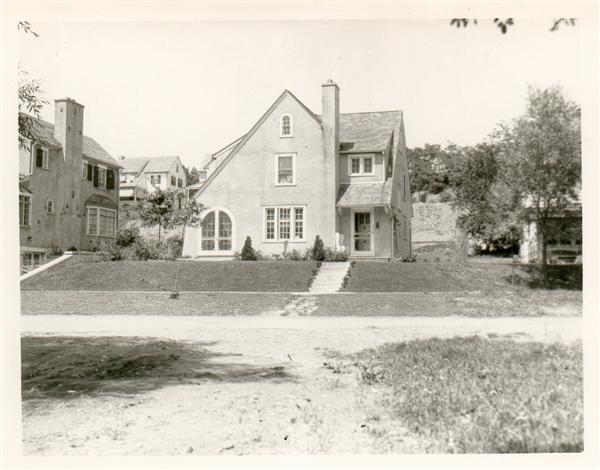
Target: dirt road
point(323, 409)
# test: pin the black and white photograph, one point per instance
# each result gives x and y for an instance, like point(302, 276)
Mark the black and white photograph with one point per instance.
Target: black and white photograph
point(299, 231)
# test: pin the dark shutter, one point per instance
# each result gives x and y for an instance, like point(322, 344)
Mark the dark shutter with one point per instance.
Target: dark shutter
point(90, 171)
point(95, 179)
point(110, 179)
point(39, 158)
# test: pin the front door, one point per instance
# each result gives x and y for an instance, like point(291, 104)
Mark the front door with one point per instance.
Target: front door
point(362, 243)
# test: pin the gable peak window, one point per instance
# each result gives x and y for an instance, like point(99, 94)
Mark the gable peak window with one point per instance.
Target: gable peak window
point(286, 126)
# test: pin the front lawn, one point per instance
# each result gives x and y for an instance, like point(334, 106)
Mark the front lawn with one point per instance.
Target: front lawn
point(529, 303)
point(240, 276)
point(151, 303)
point(472, 395)
point(444, 277)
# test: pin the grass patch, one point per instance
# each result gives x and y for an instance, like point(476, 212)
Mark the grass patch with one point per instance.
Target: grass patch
point(155, 303)
point(529, 303)
point(60, 367)
point(444, 277)
point(472, 395)
point(281, 276)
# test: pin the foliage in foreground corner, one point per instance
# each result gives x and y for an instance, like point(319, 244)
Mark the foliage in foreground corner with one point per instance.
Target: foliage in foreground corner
point(472, 395)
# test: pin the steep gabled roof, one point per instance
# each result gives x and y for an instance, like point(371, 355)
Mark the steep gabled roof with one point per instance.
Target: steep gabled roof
point(219, 153)
point(133, 165)
point(367, 132)
point(43, 132)
point(155, 164)
point(242, 141)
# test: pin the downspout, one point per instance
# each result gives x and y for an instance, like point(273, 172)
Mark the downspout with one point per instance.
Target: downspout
point(392, 224)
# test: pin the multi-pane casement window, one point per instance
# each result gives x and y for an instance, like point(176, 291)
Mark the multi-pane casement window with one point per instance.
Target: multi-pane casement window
point(286, 169)
point(25, 210)
point(361, 165)
point(101, 222)
point(217, 231)
point(284, 223)
point(286, 126)
point(41, 157)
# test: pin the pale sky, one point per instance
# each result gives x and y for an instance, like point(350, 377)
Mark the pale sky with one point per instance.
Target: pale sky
point(189, 88)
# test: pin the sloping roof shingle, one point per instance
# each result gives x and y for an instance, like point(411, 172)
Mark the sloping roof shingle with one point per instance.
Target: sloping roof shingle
point(100, 200)
point(365, 194)
point(43, 132)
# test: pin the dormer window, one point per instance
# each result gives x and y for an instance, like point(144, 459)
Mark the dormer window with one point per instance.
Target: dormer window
point(286, 126)
point(360, 165)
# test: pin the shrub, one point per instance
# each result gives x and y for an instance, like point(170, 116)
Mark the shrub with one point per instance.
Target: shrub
point(56, 251)
point(318, 249)
point(334, 255)
point(248, 253)
point(72, 248)
point(109, 251)
point(296, 255)
point(128, 236)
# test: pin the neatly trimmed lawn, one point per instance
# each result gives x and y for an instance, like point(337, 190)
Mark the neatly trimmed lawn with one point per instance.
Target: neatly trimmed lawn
point(472, 395)
point(150, 303)
point(444, 277)
point(281, 276)
point(484, 304)
point(68, 366)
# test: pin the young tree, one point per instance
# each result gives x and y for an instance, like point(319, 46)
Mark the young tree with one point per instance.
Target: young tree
point(158, 209)
point(542, 156)
point(188, 216)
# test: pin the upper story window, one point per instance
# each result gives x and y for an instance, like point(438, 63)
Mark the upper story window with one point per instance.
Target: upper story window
point(41, 157)
point(101, 178)
point(286, 169)
point(155, 179)
point(286, 126)
point(361, 165)
point(173, 181)
point(25, 210)
point(123, 178)
point(179, 183)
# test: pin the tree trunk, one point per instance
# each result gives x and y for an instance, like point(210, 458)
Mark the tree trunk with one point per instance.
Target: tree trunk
point(159, 232)
point(544, 257)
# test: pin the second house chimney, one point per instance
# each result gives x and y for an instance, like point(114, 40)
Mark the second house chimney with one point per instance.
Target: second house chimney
point(331, 143)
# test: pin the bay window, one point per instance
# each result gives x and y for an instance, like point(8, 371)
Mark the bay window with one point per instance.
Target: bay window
point(101, 222)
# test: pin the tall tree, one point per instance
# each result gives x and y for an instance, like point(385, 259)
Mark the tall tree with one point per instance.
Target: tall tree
point(541, 151)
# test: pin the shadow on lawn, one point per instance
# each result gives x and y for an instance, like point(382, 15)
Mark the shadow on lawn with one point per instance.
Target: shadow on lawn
point(68, 366)
point(568, 277)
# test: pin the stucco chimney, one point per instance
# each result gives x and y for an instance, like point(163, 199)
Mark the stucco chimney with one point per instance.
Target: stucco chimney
point(68, 130)
point(331, 143)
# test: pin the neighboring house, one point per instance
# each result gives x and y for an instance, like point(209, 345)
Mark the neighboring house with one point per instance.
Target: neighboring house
point(68, 191)
point(141, 176)
point(296, 175)
point(565, 243)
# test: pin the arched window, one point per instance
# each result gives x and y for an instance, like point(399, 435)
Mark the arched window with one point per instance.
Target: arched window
point(286, 125)
point(217, 231)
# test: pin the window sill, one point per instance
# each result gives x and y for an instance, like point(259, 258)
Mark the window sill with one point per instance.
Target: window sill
point(358, 175)
point(25, 226)
point(286, 136)
point(283, 241)
point(285, 184)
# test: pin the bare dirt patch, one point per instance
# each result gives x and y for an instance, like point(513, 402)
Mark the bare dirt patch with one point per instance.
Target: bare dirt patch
point(325, 408)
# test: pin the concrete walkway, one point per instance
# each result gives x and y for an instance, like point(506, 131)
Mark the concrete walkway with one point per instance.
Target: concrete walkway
point(330, 277)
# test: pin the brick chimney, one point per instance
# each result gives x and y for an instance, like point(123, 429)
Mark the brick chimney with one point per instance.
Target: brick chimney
point(331, 143)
